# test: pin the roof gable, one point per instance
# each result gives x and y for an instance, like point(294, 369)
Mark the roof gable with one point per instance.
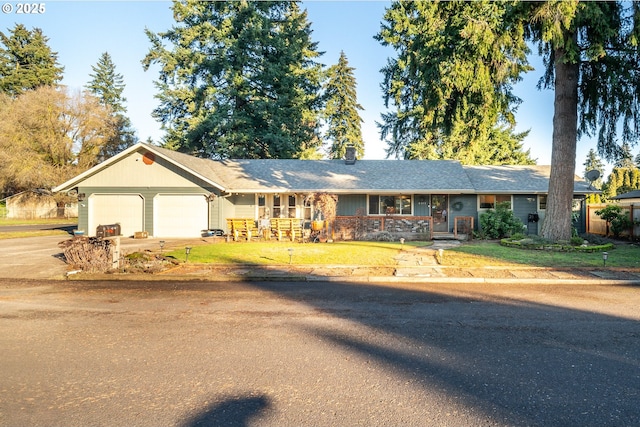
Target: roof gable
point(189, 167)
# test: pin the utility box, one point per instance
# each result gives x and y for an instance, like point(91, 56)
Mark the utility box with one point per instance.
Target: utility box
point(108, 230)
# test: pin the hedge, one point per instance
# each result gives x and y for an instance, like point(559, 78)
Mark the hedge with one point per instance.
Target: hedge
point(557, 247)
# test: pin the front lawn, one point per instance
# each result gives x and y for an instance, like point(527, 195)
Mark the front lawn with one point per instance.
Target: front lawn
point(264, 253)
point(480, 253)
point(469, 254)
point(38, 221)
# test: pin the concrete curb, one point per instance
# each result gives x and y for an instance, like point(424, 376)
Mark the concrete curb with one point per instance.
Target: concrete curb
point(290, 277)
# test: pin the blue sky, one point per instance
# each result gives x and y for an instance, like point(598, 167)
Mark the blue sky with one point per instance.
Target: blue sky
point(80, 31)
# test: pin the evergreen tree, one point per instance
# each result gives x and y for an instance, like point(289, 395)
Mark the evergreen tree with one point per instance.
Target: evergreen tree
point(26, 61)
point(107, 86)
point(625, 157)
point(474, 51)
point(341, 110)
point(622, 180)
point(451, 83)
point(238, 80)
point(590, 52)
point(593, 162)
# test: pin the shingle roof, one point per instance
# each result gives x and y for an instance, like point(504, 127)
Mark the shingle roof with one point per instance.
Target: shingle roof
point(338, 177)
point(365, 176)
point(635, 194)
point(523, 179)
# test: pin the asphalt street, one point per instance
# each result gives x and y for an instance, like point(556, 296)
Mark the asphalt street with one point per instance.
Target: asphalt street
point(175, 353)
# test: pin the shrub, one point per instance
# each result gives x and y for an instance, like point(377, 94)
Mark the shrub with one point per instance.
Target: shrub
point(617, 220)
point(577, 240)
point(89, 254)
point(500, 222)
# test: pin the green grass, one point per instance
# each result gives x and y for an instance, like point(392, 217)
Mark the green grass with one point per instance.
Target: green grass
point(490, 253)
point(262, 253)
point(18, 221)
point(474, 254)
point(34, 233)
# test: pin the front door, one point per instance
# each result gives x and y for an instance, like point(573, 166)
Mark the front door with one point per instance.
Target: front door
point(439, 212)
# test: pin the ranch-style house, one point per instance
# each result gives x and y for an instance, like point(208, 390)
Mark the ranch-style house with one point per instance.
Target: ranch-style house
point(163, 193)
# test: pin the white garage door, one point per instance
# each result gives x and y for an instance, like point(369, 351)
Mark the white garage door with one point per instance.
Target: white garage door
point(126, 209)
point(184, 215)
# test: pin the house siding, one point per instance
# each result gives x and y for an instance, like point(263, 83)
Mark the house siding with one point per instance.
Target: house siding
point(468, 202)
point(244, 206)
point(523, 205)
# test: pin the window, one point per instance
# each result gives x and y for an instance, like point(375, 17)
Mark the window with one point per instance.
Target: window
point(489, 201)
point(276, 206)
point(389, 205)
point(542, 203)
point(263, 210)
point(292, 206)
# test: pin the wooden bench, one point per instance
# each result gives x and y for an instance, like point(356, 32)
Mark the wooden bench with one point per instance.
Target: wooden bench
point(242, 227)
point(290, 227)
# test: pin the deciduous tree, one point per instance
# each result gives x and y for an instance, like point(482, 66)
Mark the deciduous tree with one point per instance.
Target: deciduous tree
point(47, 136)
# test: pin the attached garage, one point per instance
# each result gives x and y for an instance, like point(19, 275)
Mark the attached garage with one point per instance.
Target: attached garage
point(125, 209)
point(180, 215)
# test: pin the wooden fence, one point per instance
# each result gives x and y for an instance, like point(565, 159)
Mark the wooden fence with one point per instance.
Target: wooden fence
point(596, 225)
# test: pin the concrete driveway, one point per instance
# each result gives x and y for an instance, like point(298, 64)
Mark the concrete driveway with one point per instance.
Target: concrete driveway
point(32, 258)
point(41, 258)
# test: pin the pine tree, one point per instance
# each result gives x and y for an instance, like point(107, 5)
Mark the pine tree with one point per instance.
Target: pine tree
point(239, 80)
point(591, 57)
point(341, 110)
point(625, 157)
point(107, 86)
point(26, 61)
point(470, 53)
point(593, 162)
point(451, 83)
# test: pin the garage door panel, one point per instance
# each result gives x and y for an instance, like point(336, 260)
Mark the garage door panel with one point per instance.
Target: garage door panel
point(184, 215)
point(125, 209)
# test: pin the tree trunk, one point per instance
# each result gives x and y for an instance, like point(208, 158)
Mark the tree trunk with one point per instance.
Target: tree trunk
point(557, 222)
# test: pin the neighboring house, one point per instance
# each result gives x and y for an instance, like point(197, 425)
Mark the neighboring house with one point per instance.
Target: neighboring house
point(630, 198)
point(36, 204)
point(171, 194)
